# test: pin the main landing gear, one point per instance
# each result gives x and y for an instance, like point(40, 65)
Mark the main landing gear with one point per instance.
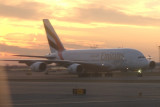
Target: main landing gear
point(96, 74)
point(109, 74)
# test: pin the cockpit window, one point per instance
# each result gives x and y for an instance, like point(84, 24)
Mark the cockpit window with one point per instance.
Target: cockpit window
point(140, 57)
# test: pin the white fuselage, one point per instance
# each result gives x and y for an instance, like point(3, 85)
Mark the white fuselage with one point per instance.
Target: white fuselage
point(115, 59)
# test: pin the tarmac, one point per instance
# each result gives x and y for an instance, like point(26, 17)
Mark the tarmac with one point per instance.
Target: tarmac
point(56, 90)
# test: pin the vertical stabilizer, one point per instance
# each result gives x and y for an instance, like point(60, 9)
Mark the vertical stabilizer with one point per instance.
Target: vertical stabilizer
point(54, 42)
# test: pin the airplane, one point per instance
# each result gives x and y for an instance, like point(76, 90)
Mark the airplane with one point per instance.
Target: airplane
point(87, 60)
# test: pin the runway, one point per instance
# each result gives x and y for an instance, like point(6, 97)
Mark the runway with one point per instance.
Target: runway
point(59, 94)
point(56, 91)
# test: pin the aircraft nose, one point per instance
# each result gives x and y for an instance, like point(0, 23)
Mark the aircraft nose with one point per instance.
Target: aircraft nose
point(144, 63)
point(152, 65)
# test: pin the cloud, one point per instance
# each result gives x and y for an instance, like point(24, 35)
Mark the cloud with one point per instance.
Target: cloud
point(43, 48)
point(81, 44)
point(19, 50)
point(88, 15)
point(24, 10)
point(22, 40)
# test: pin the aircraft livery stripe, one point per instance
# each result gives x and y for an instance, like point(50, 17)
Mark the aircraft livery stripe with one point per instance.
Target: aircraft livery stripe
point(60, 46)
point(51, 38)
point(60, 55)
point(53, 45)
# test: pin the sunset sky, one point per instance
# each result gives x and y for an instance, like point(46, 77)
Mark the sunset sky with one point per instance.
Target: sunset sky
point(80, 24)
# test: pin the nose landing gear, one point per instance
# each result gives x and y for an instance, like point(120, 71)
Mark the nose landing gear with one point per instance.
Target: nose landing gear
point(139, 74)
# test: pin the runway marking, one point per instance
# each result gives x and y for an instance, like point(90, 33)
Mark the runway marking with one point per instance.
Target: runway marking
point(81, 102)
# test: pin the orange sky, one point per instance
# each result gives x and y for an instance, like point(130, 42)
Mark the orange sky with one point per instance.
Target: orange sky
point(80, 24)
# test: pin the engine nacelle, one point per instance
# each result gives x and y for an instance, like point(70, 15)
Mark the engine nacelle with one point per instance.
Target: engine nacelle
point(38, 67)
point(75, 68)
point(152, 65)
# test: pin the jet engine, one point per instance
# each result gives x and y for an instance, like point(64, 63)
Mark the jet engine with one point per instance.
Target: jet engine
point(152, 65)
point(38, 67)
point(75, 68)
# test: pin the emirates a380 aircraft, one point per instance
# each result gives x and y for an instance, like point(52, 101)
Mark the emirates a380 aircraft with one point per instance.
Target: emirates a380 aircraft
point(81, 61)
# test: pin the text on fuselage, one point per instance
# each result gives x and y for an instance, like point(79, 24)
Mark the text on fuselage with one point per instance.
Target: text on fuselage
point(112, 56)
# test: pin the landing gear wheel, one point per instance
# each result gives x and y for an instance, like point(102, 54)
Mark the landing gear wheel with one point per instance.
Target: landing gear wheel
point(109, 74)
point(46, 73)
point(139, 75)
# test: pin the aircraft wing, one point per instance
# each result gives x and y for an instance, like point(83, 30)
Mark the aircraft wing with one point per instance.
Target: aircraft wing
point(47, 57)
point(65, 63)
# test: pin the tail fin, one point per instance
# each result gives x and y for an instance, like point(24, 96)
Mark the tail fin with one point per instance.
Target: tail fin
point(54, 42)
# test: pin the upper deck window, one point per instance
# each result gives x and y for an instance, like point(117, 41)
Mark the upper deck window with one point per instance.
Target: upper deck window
point(140, 57)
